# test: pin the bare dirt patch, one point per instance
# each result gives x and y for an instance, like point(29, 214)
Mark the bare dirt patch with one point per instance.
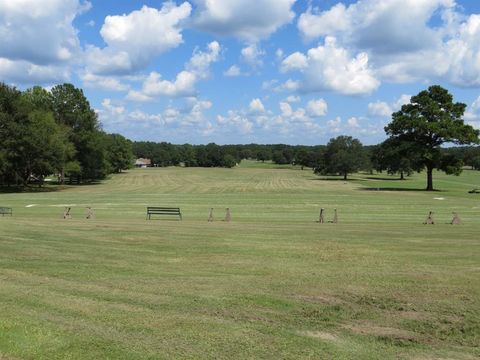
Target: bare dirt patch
point(8, 357)
point(384, 332)
point(413, 315)
point(322, 335)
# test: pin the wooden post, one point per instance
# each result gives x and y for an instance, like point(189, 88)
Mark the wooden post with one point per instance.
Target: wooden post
point(456, 219)
point(321, 220)
point(90, 213)
point(429, 220)
point(66, 213)
point(335, 216)
point(228, 215)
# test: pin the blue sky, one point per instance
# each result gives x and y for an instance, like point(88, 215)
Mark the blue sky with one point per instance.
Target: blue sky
point(242, 71)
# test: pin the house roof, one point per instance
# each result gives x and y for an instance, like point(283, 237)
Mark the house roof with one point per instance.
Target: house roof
point(142, 161)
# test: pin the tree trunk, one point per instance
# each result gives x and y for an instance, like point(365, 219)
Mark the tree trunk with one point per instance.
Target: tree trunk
point(345, 176)
point(402, 176)
point(429, 178)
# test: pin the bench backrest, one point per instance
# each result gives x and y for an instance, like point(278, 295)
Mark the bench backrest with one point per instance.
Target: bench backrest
point(162, 209)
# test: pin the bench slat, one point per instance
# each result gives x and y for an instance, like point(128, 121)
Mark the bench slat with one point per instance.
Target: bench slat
point(156, 210)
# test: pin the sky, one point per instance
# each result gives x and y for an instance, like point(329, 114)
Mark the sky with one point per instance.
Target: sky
point(245, 71)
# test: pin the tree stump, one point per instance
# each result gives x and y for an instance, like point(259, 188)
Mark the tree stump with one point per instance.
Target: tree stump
point(321, 220)
point(456, 219)
point(210, 216)
point(429, 220)
point(66, 213)
point(90, 213)
point(335, 216)
point(228, 215)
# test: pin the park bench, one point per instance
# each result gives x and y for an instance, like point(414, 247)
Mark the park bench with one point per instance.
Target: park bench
point(5, 211)
point(155, 210)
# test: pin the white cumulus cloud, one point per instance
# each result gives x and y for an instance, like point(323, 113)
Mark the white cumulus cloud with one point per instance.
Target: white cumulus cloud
point(233, 71)
point(331, 67)
point(200, 62)
point(112, 109)
point(384, 109)
point(463, 51)
point(407, 40)
point(292, 99)
point(134, 40)
point(27, 73)
point(353, 122)
point(252, 55)
point(295, 61)
point(248, 20)
point(256, 106)
point(472, 115)
point(383, 26)
point(328, 22)
point(236, 121)
point(184, 84)
point(38, 41)
point(317, 108)
point(379, 108)
point(40, 32)
point(102, 82)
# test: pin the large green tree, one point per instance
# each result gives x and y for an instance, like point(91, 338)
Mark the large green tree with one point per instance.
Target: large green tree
point(39, 146)
point(9, 99)
point(396, 157)
point(33, 145)
point(119, 152)
point(72, 110)
point(428, 121)
point(343, 155)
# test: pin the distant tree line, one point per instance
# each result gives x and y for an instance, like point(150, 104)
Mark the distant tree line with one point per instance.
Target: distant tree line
point(213, 155)
point(55, 132)
point(416, 135)
point(342, 155)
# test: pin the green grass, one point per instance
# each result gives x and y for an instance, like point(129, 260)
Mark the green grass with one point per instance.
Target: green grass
point(273, 283)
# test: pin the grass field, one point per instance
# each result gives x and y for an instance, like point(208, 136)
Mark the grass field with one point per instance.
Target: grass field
point(271, 284)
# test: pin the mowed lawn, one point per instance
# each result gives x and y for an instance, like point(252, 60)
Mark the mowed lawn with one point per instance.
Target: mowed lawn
point(271, 284)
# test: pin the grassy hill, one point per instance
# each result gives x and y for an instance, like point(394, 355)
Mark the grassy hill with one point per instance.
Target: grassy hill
point(273, 283)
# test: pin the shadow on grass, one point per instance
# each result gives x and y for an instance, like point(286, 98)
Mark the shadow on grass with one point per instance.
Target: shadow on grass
point(396, 189)
point(385, 178)
point(336, 179)
point(52, 187)
point(29, 189)
point(90, 183)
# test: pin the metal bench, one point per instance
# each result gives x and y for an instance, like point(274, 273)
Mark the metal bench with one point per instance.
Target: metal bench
point(6, 211)
point(155, 210)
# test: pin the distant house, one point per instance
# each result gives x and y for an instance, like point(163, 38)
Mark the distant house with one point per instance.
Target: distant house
point(143, 163)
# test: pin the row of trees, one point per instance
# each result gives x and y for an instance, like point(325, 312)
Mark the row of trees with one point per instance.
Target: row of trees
point(213, 155)
point(416, 134)
point(166, 154)
point(55, 132)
